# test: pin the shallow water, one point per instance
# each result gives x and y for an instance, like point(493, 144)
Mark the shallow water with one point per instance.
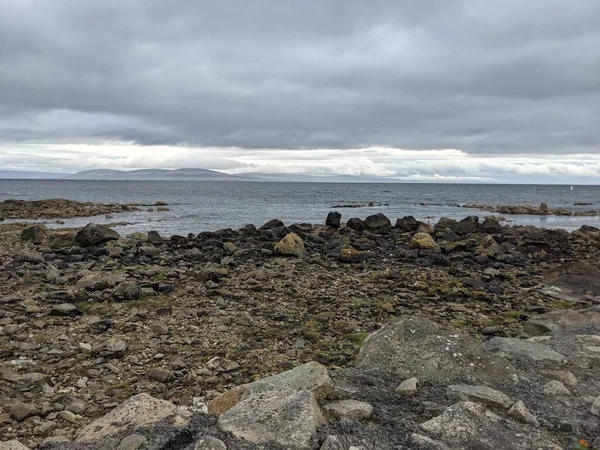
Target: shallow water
point(211, 205)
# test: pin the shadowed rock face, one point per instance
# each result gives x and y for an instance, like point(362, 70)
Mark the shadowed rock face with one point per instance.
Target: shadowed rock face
point(93, 234)
point(582, 277)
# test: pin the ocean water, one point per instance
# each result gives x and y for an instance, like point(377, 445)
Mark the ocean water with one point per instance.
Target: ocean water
point(208, 205)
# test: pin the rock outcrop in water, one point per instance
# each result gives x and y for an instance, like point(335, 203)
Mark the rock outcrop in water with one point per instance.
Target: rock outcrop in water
point(466, 334)
point(541, 210)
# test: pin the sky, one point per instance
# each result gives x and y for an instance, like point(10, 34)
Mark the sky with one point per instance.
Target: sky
point(428, 90)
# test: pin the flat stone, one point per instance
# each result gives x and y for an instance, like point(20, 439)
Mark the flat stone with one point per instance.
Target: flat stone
point(280, 416)
point(74, 404)
point(479, 394)
point(555, 388)
point(133, 442)
point(348, 410)
point(20, 411)
point(210, 443)
point(139, 411)
point(520, 413)
point(563, 376)
point(12, 445)
point(523, 348)
point(162, 375)
point(65, 309)
point(408, 387)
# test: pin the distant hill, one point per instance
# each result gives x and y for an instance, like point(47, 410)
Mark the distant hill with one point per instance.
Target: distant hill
point(27, 175)
point(156, 175)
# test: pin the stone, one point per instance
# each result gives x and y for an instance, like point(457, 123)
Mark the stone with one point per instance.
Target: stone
point(127, 291)
point(520, 413)
point(74, 404)
point(479, 394)
point(12, 445)
point(376, 221)
point(489, 247)
point(275, 223)
point(115, 346)
point(408, 387)
point(160, 329)
point(423, 241)
point(139, 411)
point(20, 411)
point(346, 443)
point(407, 224)
point(133, 442)
point(66, 310)
point(348, 410)
point(53, 440)
point(468, 225)
point(512, 347)
point(155, 238)
point(595, 409)
point(210, 443)
point(417, 347)
point(555, 388)
point(280, 416)
point(290, 245)
point(556, 321)
point(11, 329)
point(230, 248)
point(30, 257)
point(491, 226)
point(356, 224)
point(470, 425)
point(162, 375)
point(312, 377)
point(333, 219)
point(139, 236)
point(564, 376)
point(68, 416)
point(94, 234)
point(36, 234)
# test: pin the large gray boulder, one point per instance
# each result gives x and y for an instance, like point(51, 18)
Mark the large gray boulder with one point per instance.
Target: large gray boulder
point(416, 347)
point(94, 234)
point(467, 425)
point(376, 221)
point(12, 445)
point(280, 416)
point(511, 347)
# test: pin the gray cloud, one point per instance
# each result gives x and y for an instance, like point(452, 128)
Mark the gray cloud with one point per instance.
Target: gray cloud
point(488, 78)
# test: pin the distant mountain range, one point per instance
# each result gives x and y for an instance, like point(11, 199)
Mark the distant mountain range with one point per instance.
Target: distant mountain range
point(22, 174)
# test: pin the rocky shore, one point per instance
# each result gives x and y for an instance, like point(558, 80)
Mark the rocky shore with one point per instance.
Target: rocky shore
point(59, 208)
point(357, 335)
point(541, 210)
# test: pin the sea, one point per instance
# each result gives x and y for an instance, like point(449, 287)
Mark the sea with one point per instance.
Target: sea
point(196, 206)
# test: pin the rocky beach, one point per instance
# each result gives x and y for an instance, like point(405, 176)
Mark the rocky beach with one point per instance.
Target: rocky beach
point(381, 333)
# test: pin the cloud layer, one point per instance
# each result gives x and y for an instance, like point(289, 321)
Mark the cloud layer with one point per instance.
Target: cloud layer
point(240, 85)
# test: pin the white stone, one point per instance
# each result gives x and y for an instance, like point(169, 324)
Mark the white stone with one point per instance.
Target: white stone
point(348, 410)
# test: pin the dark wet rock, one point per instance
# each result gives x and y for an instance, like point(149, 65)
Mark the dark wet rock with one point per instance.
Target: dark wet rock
point(491, 226)
point(272, 224)
point(333, 219)
point(580, 276)
point(94, 234)
point(162, 375)
point(155, 238)
point(302, 228)
point(468, 225)
point(408, 224)
point(446, 222)
point(376, 221)
point(356, 224)
point(101, 325)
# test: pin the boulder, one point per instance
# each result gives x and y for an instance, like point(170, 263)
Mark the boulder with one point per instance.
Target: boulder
point(408, 224)
point(377, 221)
point(512, 347)
point(491, 226)
point(470, 425)
point(65, 309)
point(20, 411)
point(408, 387)
point(520, 413)
point(30, 257)
point(489, 247)
point(312, 377)
point(356, 224)
point(275, 223)
point(138, 412)
point(346, 442)
point(127, 291)
point(155, 238)
point(416, 347)
point(444, 223)
point(280, 416)
point(94, 234)
point(468, 225)
point(423, 241)
point(479, 394)
point(210, 443)
point(595, 409)
point(36, 234)
point(333, 219)
point(563, 320)
point(290, 245)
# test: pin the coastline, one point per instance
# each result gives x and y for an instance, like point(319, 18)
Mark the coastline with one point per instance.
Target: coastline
point(187, 317)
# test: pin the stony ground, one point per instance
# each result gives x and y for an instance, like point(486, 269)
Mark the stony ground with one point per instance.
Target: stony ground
point(86, 325)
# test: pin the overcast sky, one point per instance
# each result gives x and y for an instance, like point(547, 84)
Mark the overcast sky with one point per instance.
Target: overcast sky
point(448, 90)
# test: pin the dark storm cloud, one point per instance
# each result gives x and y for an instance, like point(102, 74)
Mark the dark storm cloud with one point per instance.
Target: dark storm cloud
point(485, 77)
